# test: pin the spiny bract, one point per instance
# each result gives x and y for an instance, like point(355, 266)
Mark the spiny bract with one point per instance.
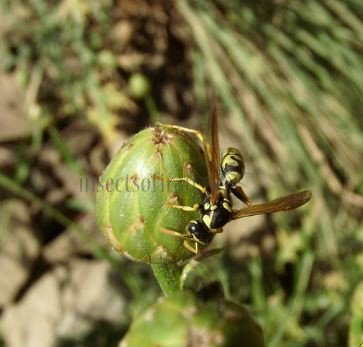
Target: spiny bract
point(132, 205)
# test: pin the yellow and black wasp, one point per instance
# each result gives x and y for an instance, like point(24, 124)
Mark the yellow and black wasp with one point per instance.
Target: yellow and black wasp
point(216, 208)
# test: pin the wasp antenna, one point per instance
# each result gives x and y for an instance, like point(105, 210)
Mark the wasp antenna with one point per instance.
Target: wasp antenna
point(174, 233)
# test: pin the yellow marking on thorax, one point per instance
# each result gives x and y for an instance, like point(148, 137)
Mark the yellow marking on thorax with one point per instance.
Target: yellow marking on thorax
point(207, 220)
point(227, 205)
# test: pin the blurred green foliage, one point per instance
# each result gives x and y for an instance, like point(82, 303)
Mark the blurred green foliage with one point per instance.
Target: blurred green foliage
point(289, 74)
point(68, 69)
point(356, 323)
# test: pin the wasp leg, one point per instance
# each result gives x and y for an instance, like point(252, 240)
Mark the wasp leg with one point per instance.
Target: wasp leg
point(193, 208)
point(241, 195)
point(190, 248)
point(197, 133)
point(183, 179)
point(216, 231)
point(185, 237)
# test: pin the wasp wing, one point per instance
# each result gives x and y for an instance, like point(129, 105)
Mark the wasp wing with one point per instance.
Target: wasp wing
point(285, 203)
point(215, 156)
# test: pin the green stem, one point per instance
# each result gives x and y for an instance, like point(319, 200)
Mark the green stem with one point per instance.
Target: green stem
point(152, 109)
point(168, 277)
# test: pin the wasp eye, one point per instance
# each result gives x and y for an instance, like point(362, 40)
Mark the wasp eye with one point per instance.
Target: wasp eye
point(194, 226)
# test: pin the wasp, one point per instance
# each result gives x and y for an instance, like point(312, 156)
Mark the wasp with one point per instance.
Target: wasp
point(216, 209)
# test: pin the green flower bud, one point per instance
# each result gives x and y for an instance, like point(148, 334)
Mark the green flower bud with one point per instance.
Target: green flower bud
point(132, 205)
point(182, 320)
point(139, 85)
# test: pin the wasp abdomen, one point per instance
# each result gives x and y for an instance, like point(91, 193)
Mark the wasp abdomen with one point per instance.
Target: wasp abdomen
point(232, 165)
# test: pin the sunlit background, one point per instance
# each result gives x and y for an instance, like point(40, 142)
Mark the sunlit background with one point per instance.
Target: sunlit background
point(78, 78)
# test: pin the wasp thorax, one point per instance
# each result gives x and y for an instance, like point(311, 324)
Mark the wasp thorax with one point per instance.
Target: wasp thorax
point(217, 215)
point(132, 203)
point(232, 166)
